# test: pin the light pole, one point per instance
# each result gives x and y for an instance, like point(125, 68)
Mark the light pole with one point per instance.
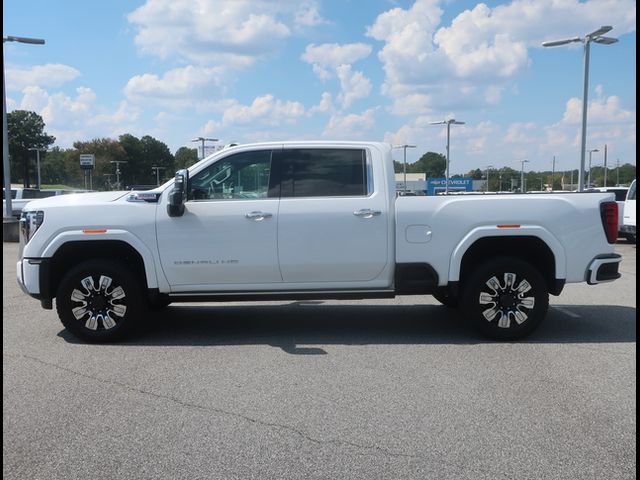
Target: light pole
point(553, 171)
point(488, 167)
point(589, 177)
point(118, 162)
point(8, 214)
point(522, 175)
point(448, 123)
point(404, 167)
point(38, 150)
point(202, 139)
point(605, 165)
point(157, 170)
point(597, 37)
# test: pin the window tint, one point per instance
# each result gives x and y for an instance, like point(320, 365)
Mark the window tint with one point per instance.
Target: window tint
point(241, 176)
point(30, 193)
point(632, 191)
point(324, 173)
point(621, 195)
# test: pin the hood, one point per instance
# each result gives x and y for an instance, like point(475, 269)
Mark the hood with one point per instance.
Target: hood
point(75, 199)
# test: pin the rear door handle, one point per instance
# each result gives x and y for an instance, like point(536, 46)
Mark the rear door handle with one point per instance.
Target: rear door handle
point(258, 216)
point(367, 213)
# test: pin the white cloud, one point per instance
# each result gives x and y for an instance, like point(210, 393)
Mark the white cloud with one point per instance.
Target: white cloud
point(48, 75)
point(353, 85)
point(483, 48)
point(78, 117)
point(325, 104)
point(327, 57)
point(351, 126)
point(181, 86)
point(265, 109)
point(603, 110)
point(308, 15)
point(226, 32)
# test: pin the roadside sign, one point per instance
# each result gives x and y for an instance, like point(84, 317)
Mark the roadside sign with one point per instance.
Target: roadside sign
point(87, 161)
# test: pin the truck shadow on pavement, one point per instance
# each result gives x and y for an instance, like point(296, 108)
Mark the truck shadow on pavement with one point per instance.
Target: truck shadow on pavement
point(301, 328)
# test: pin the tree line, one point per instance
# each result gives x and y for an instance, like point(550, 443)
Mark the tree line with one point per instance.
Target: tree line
point(58, 166)
point(506, 179)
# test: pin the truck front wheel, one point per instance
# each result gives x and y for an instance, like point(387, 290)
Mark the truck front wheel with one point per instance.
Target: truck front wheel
point(505, 298)
point(99, 300)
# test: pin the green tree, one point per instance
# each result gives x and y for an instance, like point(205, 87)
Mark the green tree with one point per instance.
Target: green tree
point(25, 130)
point(106, 150)
point(143, 154)
point(431, 163)
point(185, 157)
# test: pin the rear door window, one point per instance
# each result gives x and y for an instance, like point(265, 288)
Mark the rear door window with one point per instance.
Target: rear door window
point(323, 172)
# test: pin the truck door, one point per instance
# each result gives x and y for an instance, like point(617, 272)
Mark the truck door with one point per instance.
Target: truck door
point(332, 222)
point(228, 233)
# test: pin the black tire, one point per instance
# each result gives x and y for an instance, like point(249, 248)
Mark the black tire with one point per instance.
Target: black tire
point(112, 301)
point(446, 299)
point(504, 313)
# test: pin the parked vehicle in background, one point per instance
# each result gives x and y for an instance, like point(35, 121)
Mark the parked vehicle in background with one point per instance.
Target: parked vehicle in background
point(309, 220)
point(621, 196)
point(629, 220)
point(21, 196)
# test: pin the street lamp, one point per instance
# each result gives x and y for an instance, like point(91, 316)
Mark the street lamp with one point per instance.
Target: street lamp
point(118, 162)
point(448, 123)
point(553, 171)
point(157, 170)
point(38, 150)
point(5, 136)
point(202, 139)
point(522, 175)
point(589, 177)
point(597, 37)
point(404, 168)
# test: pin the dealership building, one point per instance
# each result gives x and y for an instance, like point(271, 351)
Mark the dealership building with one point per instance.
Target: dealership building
point(418, 184)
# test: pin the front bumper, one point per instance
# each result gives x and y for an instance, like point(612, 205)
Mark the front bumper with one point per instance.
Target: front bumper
point(31, 274)
point(604, 268)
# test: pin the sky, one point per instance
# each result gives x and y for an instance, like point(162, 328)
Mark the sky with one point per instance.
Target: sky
point(377, 70)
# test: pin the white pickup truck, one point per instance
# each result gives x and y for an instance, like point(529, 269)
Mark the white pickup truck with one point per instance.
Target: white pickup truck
point(303, 220)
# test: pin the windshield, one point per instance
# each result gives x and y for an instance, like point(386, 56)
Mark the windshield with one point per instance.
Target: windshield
point(632, 191)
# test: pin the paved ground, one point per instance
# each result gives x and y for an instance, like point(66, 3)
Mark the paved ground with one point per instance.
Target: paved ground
point(370, 389)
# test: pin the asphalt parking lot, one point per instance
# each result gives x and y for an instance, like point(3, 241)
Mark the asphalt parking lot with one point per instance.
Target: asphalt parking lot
point(362, 389)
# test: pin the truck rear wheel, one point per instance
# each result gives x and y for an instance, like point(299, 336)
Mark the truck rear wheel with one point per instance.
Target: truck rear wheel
point(99, 300)
point(505, 298)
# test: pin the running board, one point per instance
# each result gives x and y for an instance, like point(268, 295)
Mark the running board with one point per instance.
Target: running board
point(273, 296)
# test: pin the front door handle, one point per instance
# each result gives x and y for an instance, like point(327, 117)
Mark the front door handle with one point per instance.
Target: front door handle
point(367, 213)
point(258, 216)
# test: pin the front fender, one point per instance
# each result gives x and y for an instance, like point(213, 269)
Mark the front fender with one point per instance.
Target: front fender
point(94, 235)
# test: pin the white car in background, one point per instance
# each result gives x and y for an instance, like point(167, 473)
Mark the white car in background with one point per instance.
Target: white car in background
point(629, 220)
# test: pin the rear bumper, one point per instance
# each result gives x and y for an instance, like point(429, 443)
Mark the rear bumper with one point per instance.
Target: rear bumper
point(604, 268)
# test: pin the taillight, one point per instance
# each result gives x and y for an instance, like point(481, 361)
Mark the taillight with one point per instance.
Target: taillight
point(609, 214)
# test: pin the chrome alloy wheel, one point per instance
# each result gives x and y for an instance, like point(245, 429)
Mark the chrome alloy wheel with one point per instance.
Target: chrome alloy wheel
point(97, 303)
point(507, 301)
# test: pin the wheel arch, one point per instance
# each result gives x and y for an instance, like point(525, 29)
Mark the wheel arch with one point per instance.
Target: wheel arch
point(73, 251)
point(533, 244)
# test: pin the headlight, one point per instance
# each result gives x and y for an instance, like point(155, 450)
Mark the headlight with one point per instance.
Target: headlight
point(29, 224)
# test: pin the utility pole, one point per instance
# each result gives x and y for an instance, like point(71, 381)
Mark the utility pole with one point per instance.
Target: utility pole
point(522, 175)
point(488, 167)
point(605, 165)
point(404, 168)
point(553, 171)
point(617, 171)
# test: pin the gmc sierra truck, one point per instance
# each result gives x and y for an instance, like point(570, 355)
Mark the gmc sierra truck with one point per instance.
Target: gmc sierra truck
point(302, 220)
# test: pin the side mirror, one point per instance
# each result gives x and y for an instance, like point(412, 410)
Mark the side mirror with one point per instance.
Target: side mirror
point(177, 197)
